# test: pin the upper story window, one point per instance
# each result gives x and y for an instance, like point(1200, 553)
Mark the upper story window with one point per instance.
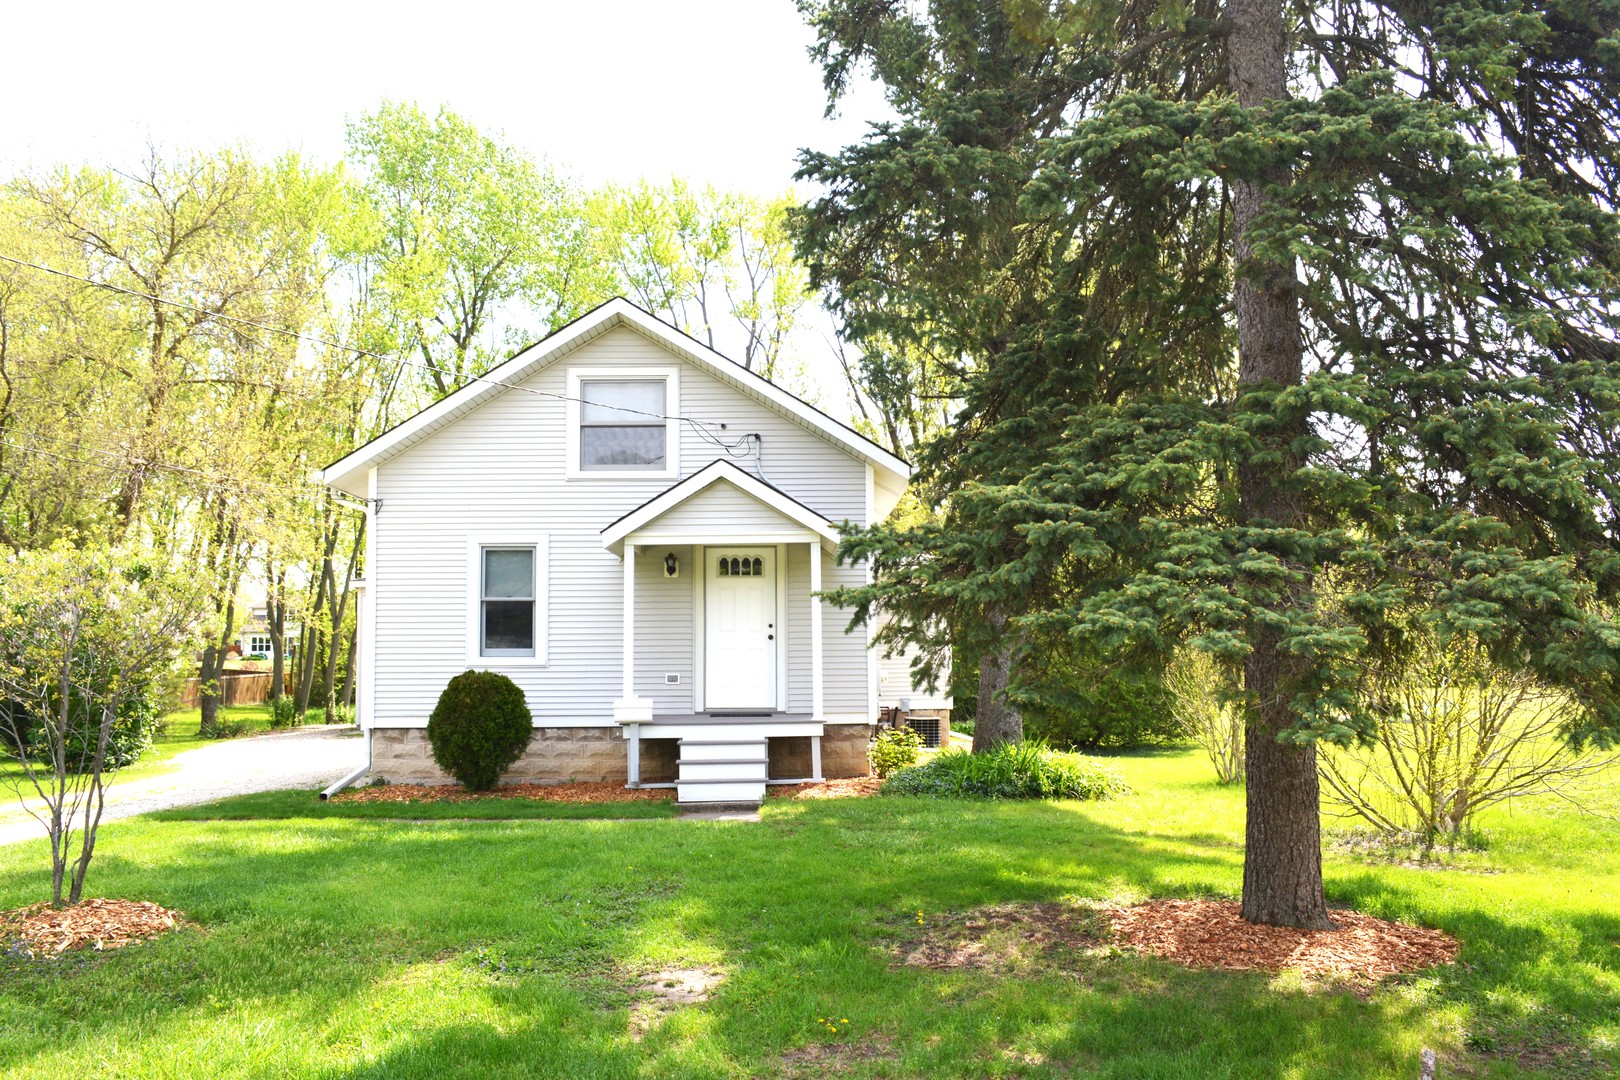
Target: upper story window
point(618, 424)
point(622, 425)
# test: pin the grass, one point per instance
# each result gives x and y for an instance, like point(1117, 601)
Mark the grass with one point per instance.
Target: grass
point(290, 805)
point(335, 944)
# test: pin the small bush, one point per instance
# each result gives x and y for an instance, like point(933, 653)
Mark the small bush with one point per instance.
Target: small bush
point(343, 714)
point(130, 737)
point(1027, 770)
point(894, 749)
point(284, 713)
point(480, 726)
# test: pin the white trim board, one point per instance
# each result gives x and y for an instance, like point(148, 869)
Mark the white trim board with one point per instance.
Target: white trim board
point(812, 524)
point(348, 473)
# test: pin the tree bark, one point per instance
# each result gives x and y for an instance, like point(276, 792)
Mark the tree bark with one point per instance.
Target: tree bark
point(275, 617)
point(998, 721)
point(1282, 864)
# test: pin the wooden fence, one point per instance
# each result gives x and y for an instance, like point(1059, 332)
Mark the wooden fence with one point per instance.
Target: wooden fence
point(250, 688)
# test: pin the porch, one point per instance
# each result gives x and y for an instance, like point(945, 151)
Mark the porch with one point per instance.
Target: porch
point(751, 642)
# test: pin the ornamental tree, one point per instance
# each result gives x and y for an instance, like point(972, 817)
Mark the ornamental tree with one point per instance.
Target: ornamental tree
point(1285, 333)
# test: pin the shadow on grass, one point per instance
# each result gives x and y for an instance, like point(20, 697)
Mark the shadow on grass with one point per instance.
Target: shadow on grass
point(345, 946)
point(284, 805)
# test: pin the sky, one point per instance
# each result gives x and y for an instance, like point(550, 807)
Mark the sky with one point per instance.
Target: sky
point(716, 91)
point(719, 91)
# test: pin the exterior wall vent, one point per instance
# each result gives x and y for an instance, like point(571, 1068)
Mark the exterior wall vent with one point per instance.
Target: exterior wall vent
point(672, 680)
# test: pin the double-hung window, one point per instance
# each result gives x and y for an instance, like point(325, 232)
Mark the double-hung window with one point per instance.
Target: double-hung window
point(620, 422)
point(507, 622)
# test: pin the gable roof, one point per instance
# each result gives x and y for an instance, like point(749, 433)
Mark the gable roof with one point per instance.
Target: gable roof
point(349, 472)
point(614, 536)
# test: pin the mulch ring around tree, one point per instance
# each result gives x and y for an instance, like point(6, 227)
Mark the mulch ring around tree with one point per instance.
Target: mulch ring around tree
point(1014, 938)
point(42, 930)
point(1214, 934)
point(582, 792)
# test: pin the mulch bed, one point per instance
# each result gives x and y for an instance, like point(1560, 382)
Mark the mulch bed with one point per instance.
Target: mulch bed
point(1213, 934)
point(585, 792)
point(89, 924)
point(854, 787)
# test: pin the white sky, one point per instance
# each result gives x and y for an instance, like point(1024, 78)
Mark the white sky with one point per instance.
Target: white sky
point(718, 91)
point(715, 90)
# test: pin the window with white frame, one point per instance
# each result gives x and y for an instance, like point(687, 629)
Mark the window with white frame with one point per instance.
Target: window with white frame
point(619, 422)
point(258, 645)
point(622, 425)
point(506, 601)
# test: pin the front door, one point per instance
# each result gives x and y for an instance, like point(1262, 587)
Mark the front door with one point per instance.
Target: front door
point(739, 640)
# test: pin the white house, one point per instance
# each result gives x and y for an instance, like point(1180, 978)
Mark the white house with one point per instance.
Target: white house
point(633, 528)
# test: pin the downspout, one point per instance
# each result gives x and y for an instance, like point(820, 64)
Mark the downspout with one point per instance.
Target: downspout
point(366, 614)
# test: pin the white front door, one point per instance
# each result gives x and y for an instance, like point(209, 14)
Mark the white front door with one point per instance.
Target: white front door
point(740, 628)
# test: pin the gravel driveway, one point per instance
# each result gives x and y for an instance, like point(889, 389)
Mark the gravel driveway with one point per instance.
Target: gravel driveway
point(309, 758)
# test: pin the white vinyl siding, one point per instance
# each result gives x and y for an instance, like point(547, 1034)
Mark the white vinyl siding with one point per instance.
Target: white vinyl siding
point(664, 629)
point(722, 507)
point(501, 472)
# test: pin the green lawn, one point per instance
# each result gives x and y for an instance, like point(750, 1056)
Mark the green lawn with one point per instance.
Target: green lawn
point(339, 945)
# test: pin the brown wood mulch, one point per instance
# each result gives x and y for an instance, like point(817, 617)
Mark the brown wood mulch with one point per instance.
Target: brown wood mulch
point(1213, 934)
point(854, 787)
point(90, 924)
point(583, 792)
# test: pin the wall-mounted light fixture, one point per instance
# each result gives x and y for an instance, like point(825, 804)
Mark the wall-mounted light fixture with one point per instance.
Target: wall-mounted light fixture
point(672, 565)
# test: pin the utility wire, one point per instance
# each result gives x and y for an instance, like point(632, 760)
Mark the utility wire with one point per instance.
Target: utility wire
point(698, 425)
point(118, 458)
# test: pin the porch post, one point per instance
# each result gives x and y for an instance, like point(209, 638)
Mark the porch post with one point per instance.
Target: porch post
point(633, 737)
point(815, 758)
point(629, 621)
point(816, 689)
point(630, 709)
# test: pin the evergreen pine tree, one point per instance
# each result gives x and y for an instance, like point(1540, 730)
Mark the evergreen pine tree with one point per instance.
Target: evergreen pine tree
point(1280, 331)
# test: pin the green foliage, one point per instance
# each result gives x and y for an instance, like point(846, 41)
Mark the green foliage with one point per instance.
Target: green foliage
point(1026, 770)
point(479, 727)
point(1076, 700)
point(284, 712)
point(894, 748)
point(128, 737)
point(1448, 449)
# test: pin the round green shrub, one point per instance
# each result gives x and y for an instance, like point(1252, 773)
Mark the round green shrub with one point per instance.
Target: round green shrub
point(480, 726)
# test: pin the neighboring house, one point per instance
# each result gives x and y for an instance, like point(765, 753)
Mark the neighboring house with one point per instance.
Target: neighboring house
point(631, 527)
point(253, 636)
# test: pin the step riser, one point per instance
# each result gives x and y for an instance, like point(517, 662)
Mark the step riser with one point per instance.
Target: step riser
point(713, 770)
point(721, 751)
point(742, 792)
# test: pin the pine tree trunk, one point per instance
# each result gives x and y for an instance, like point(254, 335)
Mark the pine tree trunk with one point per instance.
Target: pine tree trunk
point(1282, 864)
point(997, 721)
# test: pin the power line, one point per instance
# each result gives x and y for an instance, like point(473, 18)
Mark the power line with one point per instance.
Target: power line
point(697, 425)
point(117, 458)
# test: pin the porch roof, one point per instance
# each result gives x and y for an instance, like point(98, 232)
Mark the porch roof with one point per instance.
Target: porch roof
point(789, 520)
